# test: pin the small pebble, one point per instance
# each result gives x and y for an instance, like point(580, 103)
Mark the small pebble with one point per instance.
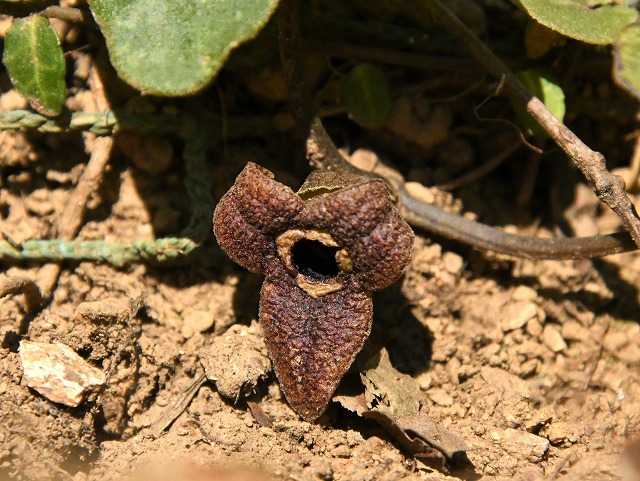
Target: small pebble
point(552, 338)
point(364, 159)
point(237, 361)
point(522, 444)
point(614, 341)
point(440, 397)
point(574, 331)
point(528, 368)
point(453, 263)
point(39, 202)
point(524, 293)
point(630, 354)
point(420, 192)
point(12, 100)
point(424, 381)
point(517, 314)
point(560, 433)
point(534, 327)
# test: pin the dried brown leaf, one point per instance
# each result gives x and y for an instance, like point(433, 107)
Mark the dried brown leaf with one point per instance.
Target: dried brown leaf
point(388, 390)
point(393, 400)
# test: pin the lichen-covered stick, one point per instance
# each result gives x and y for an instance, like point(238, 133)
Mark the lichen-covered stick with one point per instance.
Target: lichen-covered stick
point(323, 251)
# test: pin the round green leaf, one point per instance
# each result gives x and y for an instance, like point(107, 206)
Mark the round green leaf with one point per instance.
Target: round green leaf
point(575, 19)
point(551, 94)
point(176, 47)
point(626, 70)
point(35, 62)
point(367, 96)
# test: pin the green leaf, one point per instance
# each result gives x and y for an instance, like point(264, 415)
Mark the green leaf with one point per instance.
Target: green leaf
point(574, 18)
point(35, 62)
point(551, 94)
point(367, 96)
point(626, 70)
point(176, 47)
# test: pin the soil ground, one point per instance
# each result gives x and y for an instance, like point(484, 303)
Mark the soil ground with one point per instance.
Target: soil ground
point(535, 364)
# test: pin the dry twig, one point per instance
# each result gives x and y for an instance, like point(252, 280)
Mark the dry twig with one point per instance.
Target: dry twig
point(631, 178)
point(608, 187)
point(292, 50)
point(323, 154)
point(482, 170)
point(179, 405)
point(67, 14)
point(395, 57)
point(21, 285)
point(72, 216)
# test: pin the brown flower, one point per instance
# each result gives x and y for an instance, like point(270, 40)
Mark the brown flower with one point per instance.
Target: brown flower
point(322, 252)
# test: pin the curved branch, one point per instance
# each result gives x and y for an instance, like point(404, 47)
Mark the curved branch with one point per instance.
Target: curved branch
point(484, 237)
point(322, 153)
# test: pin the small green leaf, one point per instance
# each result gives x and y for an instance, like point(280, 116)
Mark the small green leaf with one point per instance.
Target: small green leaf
point(626, 70)
point(367, 96)
point(176, 47)
point(575, 19)
point(551, 94)
point(35, 62)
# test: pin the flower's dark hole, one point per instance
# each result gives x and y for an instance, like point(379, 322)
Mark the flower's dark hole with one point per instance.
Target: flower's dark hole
point(314, 259)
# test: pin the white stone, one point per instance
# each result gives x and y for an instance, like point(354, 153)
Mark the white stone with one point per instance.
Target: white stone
point(57, 372)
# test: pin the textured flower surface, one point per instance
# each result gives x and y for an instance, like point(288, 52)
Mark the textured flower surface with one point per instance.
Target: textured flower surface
point(323, 251)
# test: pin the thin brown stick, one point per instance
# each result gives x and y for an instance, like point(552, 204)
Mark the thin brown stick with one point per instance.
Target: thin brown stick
point(483, 170)
point(72, 217)
point(631, 178)
point(530, 178)
point(487, 238)
point(608, 187)
point(73, 213)
point(292, 51)
point(395, 57)
point(594, 362)
point(501, 120)
point(68, 14)
point(322, 152)
point(179, 405)
point(21, 285)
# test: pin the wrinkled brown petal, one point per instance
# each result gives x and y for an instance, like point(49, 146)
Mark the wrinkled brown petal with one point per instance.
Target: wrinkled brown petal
point(350, 213)
point(312, 342)
point(242, 242)
point(380, 258)
point(265, 203)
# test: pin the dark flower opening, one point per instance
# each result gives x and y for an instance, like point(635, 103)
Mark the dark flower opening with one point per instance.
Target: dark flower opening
point(315, 260)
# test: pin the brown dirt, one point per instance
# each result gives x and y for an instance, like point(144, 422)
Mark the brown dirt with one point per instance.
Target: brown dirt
point(535, 364)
